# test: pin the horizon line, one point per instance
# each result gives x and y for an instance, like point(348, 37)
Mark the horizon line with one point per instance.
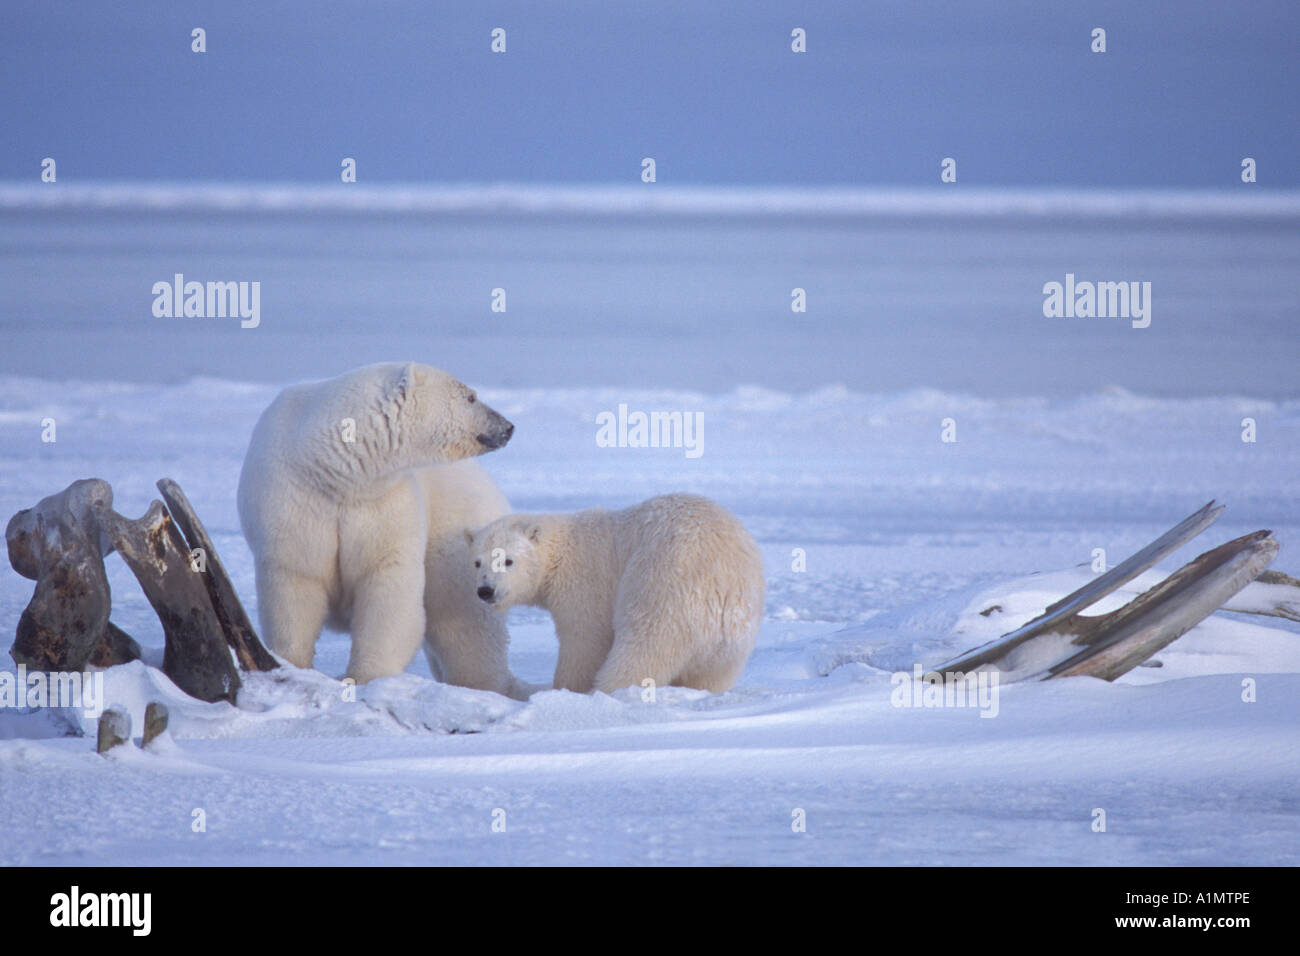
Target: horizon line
point(654, 199)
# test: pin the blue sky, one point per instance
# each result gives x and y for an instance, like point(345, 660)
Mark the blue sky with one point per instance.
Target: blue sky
point(712, 91)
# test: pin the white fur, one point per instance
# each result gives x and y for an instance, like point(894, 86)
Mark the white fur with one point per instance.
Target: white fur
point(339, 530)
point(670, 590)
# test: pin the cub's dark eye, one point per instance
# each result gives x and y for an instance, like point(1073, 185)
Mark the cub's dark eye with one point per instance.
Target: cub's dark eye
point(478, 564)
point(509, 562)
point(472, 398)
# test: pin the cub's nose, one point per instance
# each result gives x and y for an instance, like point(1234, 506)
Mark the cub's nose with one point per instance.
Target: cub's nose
point(485, 593)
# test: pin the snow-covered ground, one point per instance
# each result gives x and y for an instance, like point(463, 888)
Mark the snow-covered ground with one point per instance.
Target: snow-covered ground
point(907, 539)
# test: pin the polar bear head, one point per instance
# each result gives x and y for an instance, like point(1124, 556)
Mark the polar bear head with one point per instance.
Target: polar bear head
point(441, 417)
point(508, 562)
point(407, 415)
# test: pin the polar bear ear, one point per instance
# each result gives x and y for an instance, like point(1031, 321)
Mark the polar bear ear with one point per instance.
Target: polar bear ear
point(535, 533)
point(469, 535)
point(405, 382)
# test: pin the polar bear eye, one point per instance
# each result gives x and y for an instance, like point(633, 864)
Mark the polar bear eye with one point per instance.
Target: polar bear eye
point(472, 398)
point(478, 564)
point(509, 561)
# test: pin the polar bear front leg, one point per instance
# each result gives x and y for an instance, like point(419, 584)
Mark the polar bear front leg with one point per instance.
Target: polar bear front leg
point(291, 608)
point(387, 622)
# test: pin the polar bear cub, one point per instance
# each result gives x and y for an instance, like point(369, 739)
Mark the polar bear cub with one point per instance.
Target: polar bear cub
point(338, 518)
point(670, 590)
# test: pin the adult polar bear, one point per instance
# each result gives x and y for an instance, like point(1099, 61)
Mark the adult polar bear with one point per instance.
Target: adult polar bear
point(354, 498)
point(670, 590)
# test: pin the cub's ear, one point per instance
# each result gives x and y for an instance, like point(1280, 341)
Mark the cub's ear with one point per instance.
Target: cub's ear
point(535, 533)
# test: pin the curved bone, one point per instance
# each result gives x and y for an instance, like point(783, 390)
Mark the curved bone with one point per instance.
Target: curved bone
point(225, 602)
point(196, 656)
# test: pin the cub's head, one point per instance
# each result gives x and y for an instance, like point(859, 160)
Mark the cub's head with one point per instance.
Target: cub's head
point(440, 418)
point(507, 562)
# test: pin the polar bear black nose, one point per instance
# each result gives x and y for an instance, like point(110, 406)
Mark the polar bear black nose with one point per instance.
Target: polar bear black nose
point(498, 434)
point(485, 593)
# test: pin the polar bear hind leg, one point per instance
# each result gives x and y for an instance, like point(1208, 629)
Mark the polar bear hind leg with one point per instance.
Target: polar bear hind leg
point(657, 639)
point(387, 622)
point(638, 656)
point(668, 658)
point(652, 641)
point(717, 670)
point(292, 608)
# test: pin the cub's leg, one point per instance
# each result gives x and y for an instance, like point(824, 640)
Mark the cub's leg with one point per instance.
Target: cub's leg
point(718, 670)
point(651, 637)
point(640, 654)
